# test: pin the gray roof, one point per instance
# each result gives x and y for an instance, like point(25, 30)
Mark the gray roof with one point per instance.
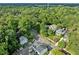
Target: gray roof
point(39, 47)
point(23, 40)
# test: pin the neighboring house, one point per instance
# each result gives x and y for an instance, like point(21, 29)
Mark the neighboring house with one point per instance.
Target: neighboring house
point(23, 40)
point(53, 27)
point(39, 48)
point(61, 31)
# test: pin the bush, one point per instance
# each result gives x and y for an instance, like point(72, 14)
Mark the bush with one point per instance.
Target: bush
point(61, 44)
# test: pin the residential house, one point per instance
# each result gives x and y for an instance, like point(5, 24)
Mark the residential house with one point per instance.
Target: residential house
point(39, 48)
point(61, 31)
point(23, 40)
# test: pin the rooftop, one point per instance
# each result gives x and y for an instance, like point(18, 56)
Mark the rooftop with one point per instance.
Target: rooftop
point(40, 48)
point(23, 40)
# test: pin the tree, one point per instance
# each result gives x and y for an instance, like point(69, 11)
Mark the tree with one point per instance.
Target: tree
point(12, 41)
point(3, 48)
point(43, 29)
point(50, 32)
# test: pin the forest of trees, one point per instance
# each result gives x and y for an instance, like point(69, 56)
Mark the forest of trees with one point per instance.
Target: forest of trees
point(20, 20)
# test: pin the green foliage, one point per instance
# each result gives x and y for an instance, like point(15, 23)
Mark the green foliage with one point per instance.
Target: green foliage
point(56, 52)
point(73, 44)
point(43, 30)
point(50, 32)
point(3, 48)
point(24, 19)
point(56, 38)
point(61, 44)
point(12, 41)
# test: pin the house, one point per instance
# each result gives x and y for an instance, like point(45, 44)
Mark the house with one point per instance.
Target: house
point(61, 31)
point(39, 48)
point(53, 27)
point(23, 40)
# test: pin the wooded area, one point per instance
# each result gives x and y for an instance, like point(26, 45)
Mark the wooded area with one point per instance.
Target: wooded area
point(17, 21)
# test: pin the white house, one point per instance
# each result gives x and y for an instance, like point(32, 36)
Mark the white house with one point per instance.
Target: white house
point(23, 40)
point(60, 31)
